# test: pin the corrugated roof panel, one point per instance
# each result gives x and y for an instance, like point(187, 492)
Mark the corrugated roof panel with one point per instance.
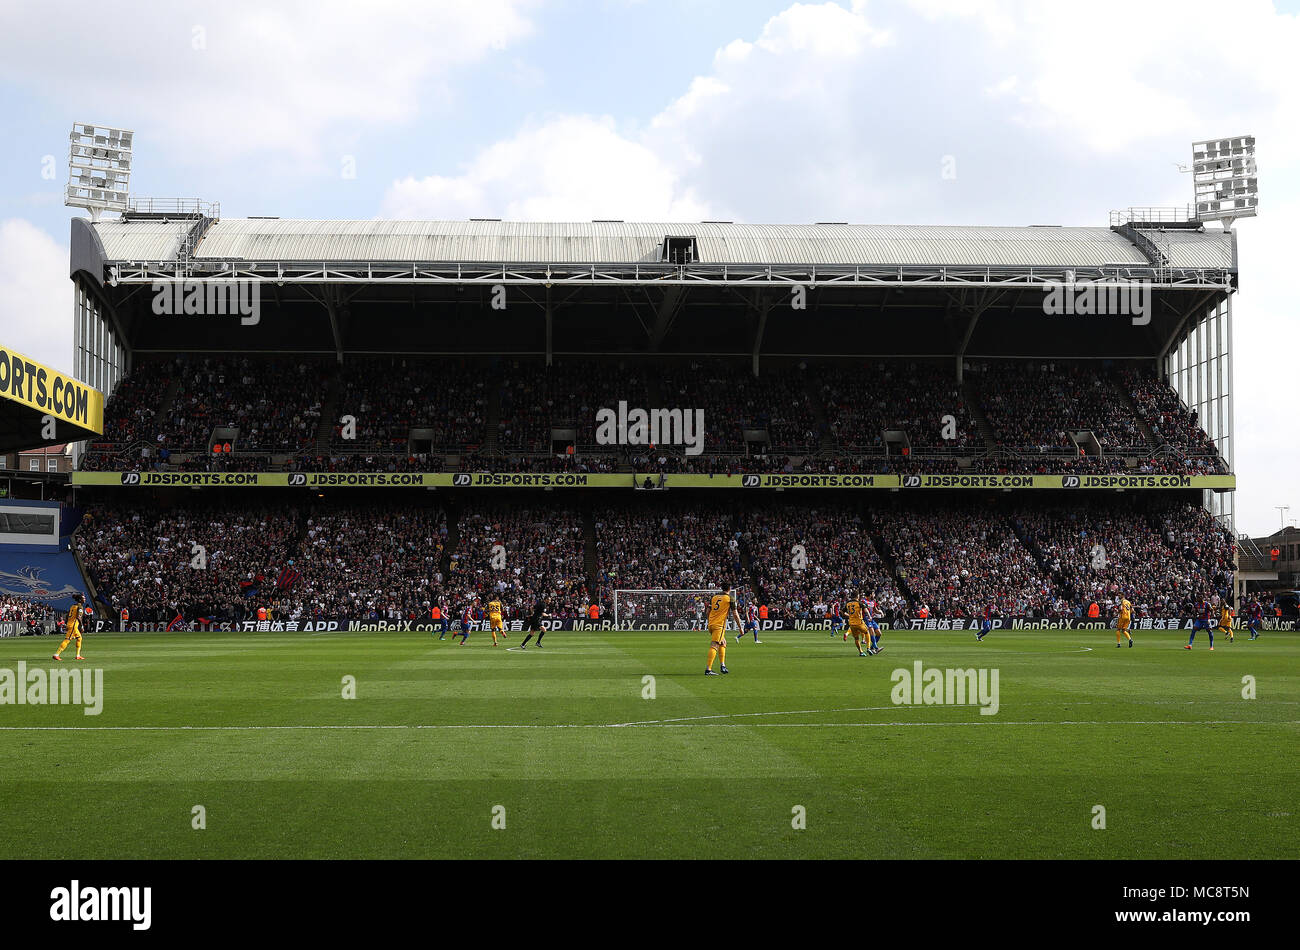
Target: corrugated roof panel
point(142, 240)
point(616, 243)
point(1213, 248)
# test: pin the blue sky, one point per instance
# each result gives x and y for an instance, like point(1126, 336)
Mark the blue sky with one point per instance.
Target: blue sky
point(753, 111)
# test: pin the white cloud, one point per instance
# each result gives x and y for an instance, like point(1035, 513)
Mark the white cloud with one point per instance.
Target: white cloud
point(823, 30)
point(1053, 113)
point(243, 75)
point(571, 168)
point(35, 294)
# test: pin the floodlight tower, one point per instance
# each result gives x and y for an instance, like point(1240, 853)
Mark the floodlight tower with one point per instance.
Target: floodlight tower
point(99, 169)
point(1226, 179)
point(1199, 365)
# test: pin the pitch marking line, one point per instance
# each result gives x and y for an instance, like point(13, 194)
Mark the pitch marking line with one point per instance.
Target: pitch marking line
point(945, 645)
point(665, 725)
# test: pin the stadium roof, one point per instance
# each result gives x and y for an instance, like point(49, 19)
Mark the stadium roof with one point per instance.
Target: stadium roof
point(711, 287)
point(482, 242)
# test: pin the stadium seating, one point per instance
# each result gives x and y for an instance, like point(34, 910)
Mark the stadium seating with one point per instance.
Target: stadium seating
point(275, 404)
point(24, 610)
point(384, 560)
point(540, 553)
point(1173, 424)
point(1033, 406)
point(388, 396)
point(823, 416)
point(375, 562)
point(201, 561)
point(806, 558)
point(957, 560)
point(665, 544)
point(865, 399)
point(955, 557)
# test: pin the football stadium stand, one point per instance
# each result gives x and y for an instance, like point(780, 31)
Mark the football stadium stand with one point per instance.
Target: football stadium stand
point(892, 410)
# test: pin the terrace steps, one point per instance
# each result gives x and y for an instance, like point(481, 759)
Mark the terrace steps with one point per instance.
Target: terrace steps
point(886, 555)
point(491, 419)
point(589, 562)
point(165, 406)
point(1126, 398)
point(329, 413)
point(818, 411)
point(971, 394)
point(453, 540)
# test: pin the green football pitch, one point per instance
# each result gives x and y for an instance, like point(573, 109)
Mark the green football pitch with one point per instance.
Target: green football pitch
point(615, 745)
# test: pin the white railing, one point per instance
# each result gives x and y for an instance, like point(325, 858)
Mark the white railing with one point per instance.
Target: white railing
point(1178, 214)
point(178, 206)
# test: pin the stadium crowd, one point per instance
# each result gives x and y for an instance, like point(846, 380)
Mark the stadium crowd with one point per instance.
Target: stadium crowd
point(201, 561)
point(536, 399)
point(734, 400)
point(676, 545)
point(863, 401)
point(518, 553)
point(275, 404)
point(1034, 406)
point(1102, 553)
point(1172, 423)
point(958, 561)
point(369, 562)
point(805, 559)
point(432, 414)
point(130, 413)
point(33, 614)
point(387, 397)
point(385, 560)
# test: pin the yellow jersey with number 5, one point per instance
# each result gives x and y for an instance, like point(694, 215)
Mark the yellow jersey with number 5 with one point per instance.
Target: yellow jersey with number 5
point(719, 607)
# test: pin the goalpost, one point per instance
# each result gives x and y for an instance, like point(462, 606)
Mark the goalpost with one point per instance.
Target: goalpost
point(680, 609)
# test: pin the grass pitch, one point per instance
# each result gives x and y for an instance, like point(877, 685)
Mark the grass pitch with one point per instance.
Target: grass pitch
point(254, 728)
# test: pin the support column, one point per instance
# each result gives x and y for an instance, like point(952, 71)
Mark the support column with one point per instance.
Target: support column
point(763, 311)
point(550, 321)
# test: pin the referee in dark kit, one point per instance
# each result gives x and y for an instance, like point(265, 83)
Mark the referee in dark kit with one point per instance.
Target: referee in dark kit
point(540, 610)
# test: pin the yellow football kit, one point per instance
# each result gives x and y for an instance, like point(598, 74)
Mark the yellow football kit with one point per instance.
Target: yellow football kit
point(494, 620)
point(72, 631)
point(1125, 618)
point(719, 607)
point(1225, 620)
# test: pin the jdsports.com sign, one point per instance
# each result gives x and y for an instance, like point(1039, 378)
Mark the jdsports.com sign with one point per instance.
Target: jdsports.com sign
point(46, 390)
point(777, 481)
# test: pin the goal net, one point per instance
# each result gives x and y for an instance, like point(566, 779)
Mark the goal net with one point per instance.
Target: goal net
point(679, 609)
